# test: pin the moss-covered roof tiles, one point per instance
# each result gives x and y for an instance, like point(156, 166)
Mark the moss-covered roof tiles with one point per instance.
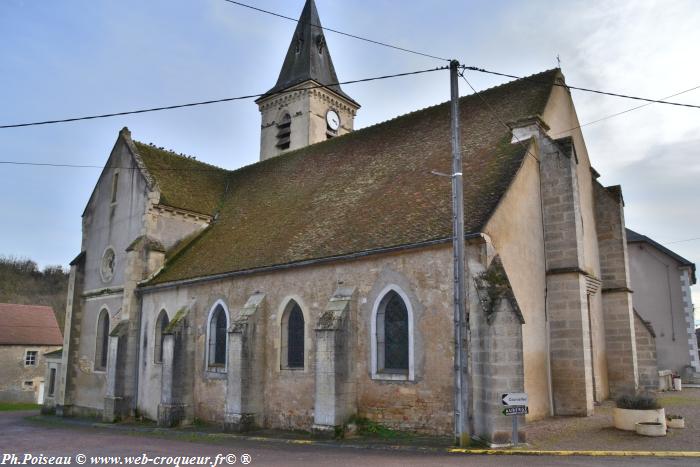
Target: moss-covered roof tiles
point(366, 190)
point(184, 182)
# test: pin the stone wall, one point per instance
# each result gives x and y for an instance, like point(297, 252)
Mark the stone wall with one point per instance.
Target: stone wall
point(14, 373)
point(567, 301)
point(307, 109)
point(646, 354)
point(497, 351)
point(516, 232)
point(423, 403)
point(617, 295)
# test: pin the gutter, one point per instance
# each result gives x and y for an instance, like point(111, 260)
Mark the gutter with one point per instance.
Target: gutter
point(281, 267)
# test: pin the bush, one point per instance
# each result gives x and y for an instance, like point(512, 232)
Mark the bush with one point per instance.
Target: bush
point(639, 401)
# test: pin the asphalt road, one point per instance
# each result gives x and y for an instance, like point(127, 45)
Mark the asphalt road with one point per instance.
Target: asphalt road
point(20, 437)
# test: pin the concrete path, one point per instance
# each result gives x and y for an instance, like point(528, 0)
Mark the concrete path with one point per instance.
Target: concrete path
point(22, 437)
point(597, 433)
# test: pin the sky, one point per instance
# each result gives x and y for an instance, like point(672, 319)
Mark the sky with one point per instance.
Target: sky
point(83, 57)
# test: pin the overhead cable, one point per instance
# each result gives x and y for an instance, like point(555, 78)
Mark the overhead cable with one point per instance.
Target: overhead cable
point(577, 88)
point(215, 101)
point(354, 36)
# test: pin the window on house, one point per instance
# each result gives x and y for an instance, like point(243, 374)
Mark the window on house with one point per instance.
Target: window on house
point(52, 381)
point(293, 337)
point(218, 326)
point(392, 335)
point(102, 341)
point(284, 132)
point(30, 357)
point(28, 384)
point(161, 324)
point(115, 186)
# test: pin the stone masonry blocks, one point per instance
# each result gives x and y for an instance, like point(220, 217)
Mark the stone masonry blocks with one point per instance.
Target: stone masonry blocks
point(334, 392)
point(572, 378)
point(245, 377)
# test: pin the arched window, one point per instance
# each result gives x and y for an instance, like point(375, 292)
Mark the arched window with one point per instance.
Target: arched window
point(102, 340)
point(392, 331)
point(161, 324)
point(218, 327)
point(293, 337)
point(284, 132)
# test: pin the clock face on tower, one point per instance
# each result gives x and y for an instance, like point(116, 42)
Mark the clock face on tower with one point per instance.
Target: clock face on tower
point(333, 120)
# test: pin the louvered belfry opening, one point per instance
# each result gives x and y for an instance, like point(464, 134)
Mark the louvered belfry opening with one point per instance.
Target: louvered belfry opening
point(284, 132)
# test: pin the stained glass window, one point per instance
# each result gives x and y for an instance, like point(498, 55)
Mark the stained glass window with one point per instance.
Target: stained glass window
point(395, 333)
point(295, 338)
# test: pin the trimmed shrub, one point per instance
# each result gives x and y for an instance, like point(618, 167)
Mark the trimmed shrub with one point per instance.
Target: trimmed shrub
point(639, 401)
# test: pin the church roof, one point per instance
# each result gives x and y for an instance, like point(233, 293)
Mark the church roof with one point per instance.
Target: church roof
point(184, 182)
point(368, 190)
point(308, 57)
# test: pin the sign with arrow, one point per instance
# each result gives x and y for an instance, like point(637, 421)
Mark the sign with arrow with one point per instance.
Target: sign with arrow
point(514, 398)
point(516, 410)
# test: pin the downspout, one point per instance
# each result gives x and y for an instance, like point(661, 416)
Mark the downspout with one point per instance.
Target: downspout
point(670, 304)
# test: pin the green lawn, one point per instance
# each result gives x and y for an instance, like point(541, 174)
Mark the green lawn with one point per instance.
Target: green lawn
point(13, 406)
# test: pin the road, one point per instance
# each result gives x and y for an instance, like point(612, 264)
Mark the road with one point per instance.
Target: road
point(22, 437)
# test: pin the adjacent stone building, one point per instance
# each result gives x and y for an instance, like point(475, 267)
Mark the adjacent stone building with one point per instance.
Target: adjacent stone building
point(27, 334)
point(316, 285)
point(661, 281)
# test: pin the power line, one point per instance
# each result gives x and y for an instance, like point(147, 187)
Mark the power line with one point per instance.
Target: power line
point(682, 241)
point(576, 88)
point(625, 111)
point(384, 44)
point(215, 101)
point(495, 115)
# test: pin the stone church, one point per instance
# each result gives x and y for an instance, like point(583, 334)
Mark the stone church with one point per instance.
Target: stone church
point(316, 285)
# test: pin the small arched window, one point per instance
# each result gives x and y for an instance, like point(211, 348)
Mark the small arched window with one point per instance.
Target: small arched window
point(102, 340)
point(392, 336)
point(161, 324)
point(395, 333)
point(218, 326)
point(284, 132)
point(293, 337)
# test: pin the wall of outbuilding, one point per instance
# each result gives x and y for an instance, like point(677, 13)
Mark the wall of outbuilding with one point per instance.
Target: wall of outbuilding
point(15, 373)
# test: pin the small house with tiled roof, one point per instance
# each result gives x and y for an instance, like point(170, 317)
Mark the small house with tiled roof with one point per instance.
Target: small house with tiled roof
point(27, 334)
point(316, 285)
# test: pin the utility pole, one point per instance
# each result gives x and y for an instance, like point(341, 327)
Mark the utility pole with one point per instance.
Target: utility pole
point(461, 333)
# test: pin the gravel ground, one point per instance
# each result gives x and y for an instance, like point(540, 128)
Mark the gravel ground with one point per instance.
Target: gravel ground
point(597, 432)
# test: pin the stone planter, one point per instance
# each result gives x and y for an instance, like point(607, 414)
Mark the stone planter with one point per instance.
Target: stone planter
point(675, 422)
point(651, 429)
point(626, 419)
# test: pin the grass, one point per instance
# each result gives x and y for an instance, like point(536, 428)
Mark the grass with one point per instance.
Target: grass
point(15, 406)
point(366, 427)
point(677, 400)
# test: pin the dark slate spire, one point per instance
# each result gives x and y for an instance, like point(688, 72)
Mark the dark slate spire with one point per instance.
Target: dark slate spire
point(308, 57)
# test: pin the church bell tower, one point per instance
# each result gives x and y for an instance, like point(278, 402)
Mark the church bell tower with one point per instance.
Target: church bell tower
point(297, 111)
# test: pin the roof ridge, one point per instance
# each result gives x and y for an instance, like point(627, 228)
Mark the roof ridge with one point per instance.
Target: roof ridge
point(172, 153)
point(399, 117)
point(360, 131)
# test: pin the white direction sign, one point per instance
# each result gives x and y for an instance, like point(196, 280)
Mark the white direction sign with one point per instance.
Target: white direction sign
point(514, 398)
